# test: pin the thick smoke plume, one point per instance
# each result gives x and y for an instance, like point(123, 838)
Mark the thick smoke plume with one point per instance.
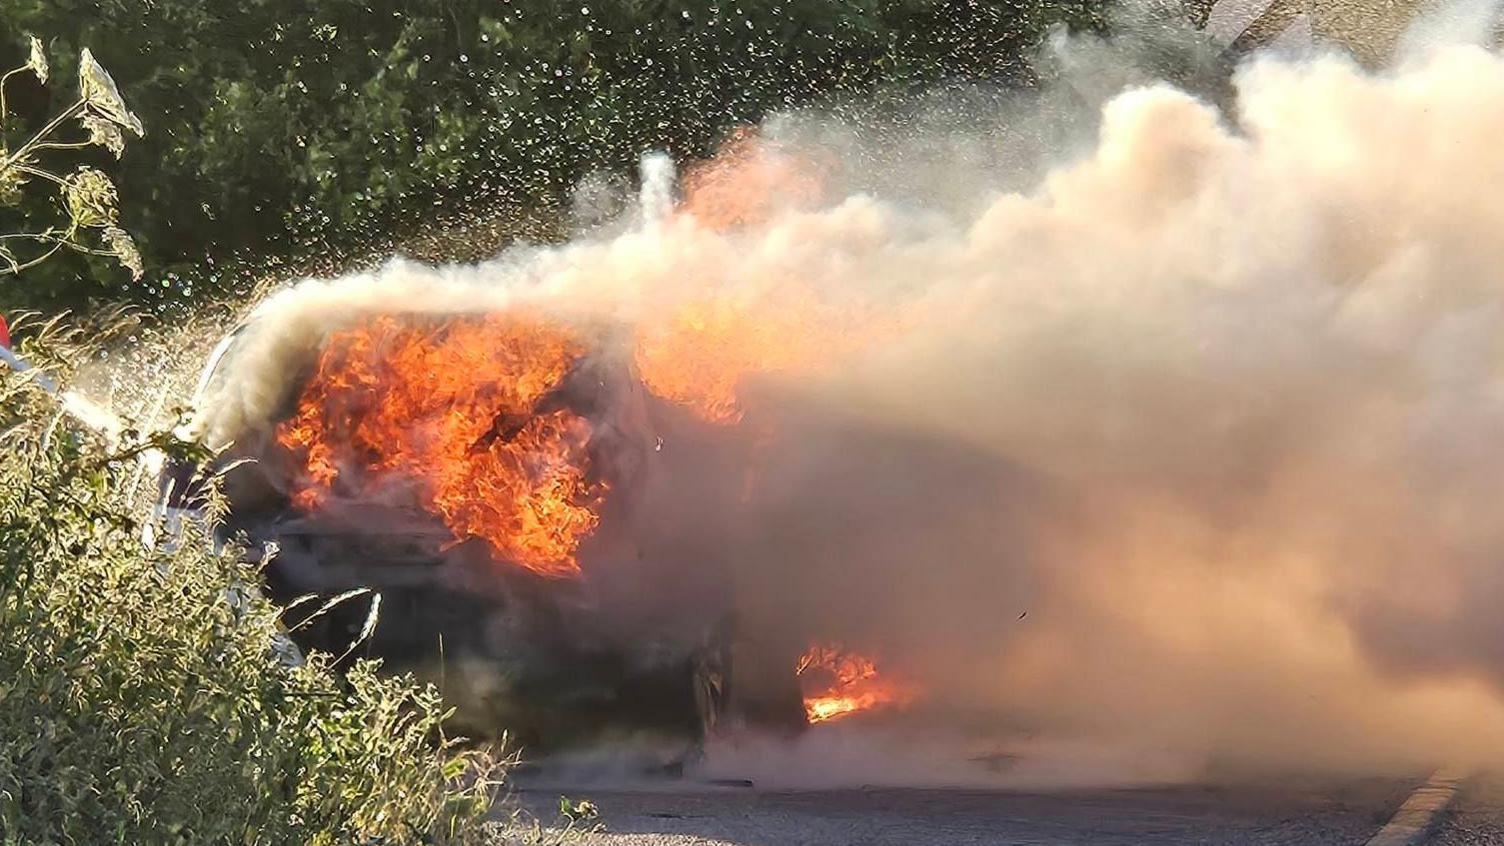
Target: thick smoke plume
point(1186, 437)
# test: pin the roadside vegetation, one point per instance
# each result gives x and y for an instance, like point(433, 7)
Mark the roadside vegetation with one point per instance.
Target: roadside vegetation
point(292, 132)
point(85, 218)
point(142, 697)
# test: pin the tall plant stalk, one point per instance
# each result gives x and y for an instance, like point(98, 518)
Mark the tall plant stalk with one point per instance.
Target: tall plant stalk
point(88, 220)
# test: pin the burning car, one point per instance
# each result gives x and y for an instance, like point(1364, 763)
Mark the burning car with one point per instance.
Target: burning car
point(489, 483)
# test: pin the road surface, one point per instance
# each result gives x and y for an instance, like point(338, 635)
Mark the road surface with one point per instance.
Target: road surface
point(1288, 813)
point(1477, 816)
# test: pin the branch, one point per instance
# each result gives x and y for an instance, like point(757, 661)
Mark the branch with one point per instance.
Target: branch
point(48, 175)
point(4, 79)
point(53, 239)
point(58, 244)
point(42, 133)
point(59, 145)
point(35, 236)
point(16, 269)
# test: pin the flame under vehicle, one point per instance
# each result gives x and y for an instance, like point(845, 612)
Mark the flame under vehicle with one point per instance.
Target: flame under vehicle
point(525, 508)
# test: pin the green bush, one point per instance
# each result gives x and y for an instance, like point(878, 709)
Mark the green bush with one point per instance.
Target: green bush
point(288, 128)
point(139, 699)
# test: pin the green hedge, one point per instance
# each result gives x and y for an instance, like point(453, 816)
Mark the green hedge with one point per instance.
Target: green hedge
point(279, 129)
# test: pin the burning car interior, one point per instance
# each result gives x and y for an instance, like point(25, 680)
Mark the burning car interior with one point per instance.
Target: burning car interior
point(516, 496)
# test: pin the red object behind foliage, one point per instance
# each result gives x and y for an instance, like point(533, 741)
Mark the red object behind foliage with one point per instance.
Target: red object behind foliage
point(4, 333)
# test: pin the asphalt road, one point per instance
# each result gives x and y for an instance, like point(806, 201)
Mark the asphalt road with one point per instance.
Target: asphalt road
point(1289, 812)
point(1476, 818)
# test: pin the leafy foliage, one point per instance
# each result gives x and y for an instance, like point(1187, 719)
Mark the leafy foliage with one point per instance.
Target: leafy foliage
point(139, 702)
point(289, 128)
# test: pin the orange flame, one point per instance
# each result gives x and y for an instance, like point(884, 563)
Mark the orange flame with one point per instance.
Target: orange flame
point(699, 356)
point(697, 353)
point(838, 683)
point(455, 409)
point(748, 181)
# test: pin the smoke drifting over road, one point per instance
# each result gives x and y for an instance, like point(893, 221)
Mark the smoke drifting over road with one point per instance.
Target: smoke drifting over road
point(1184, 437)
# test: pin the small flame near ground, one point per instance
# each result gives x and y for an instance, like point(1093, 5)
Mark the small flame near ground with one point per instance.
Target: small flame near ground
point(838, 682)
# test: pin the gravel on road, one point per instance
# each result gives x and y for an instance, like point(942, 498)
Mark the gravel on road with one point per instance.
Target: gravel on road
point(1476, 818)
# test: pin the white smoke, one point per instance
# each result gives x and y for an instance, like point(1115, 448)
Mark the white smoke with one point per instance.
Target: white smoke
point(1193, 444)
